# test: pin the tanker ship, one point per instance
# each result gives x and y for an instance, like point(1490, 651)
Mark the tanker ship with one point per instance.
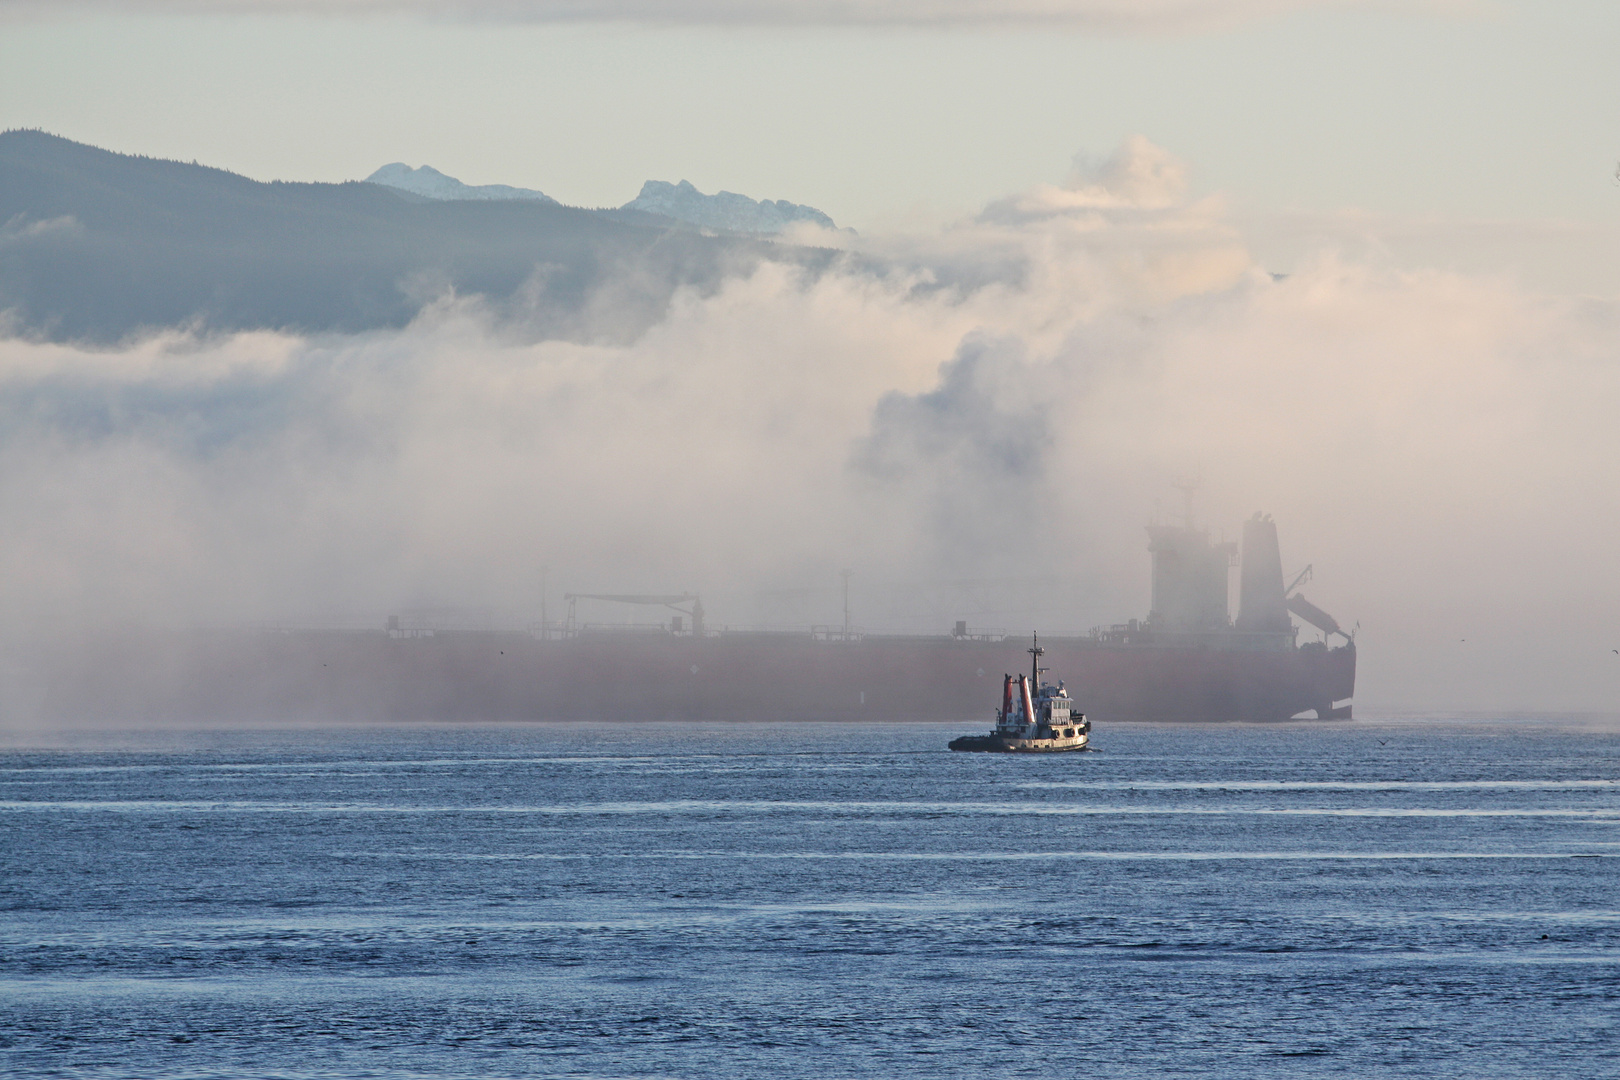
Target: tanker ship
point(1188, 660)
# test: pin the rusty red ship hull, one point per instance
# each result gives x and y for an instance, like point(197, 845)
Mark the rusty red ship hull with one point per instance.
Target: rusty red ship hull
point(368, 676)
point(1188, 661)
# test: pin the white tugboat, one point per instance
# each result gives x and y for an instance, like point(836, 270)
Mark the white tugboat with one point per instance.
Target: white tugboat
point(1034, 718)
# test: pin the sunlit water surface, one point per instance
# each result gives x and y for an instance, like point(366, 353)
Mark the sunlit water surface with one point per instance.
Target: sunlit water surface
point(1425, 900)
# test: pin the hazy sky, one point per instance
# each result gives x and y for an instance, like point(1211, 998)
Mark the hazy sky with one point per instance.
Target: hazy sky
point(1501, 109)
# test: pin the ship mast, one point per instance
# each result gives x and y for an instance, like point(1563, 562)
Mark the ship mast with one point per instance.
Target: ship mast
point(1188, 486)
point(1035, 653)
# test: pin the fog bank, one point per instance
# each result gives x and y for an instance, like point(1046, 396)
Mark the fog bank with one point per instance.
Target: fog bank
point(977, 423)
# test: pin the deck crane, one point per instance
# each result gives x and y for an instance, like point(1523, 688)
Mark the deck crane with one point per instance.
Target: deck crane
point(669, 600)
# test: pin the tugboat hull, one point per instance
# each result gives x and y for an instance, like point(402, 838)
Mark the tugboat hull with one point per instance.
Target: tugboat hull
point(995, 744)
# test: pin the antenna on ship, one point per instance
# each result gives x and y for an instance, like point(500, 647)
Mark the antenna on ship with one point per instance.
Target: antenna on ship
point(1188, 486)
point(543, 623)
point(1035, 653)
point(845, 574)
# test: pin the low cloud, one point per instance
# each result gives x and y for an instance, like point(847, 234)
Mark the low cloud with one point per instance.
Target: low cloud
point(20, 228)
point(1139, 176)
point(979, 427)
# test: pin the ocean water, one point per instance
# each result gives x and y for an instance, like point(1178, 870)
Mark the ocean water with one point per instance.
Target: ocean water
point(706, 901)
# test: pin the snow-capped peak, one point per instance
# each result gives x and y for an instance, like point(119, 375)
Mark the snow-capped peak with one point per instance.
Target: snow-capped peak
point(727, 210)
point(432, 184)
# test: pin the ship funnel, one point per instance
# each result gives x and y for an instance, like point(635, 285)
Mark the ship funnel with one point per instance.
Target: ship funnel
point(1261, 604)
point(1190, 579)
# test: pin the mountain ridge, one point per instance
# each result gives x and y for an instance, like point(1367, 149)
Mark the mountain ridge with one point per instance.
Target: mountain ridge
point(98, 246)
point(726, 211)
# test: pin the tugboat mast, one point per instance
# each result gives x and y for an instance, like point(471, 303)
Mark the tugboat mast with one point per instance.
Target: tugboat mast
point(1035, 653)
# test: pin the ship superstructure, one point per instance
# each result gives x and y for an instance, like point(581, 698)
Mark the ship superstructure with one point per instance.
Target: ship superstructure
point(1251, 667)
